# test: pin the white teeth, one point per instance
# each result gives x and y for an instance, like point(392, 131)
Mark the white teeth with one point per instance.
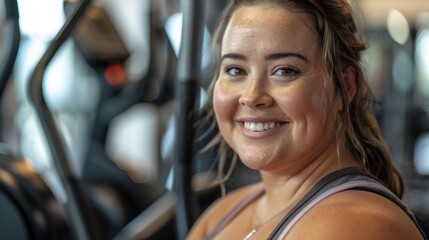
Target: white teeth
point(260, 127)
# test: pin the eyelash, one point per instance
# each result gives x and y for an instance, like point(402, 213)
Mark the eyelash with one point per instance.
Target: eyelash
point(228, 71)
point(287, 72)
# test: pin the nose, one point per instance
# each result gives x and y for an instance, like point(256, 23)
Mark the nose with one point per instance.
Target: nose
point(256, 95)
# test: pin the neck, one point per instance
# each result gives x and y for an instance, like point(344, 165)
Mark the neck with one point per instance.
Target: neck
point(285, 189)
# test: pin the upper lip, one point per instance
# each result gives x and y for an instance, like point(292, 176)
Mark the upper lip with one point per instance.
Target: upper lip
point(262, 119)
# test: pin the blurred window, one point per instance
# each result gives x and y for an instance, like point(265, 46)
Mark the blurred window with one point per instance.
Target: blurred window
point(422, 62)
point(421, 154)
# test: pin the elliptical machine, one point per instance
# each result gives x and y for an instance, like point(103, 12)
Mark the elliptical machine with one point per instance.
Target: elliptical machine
point(29, 209)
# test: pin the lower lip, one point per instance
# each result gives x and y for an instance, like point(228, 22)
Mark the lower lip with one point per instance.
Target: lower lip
point(261, 134)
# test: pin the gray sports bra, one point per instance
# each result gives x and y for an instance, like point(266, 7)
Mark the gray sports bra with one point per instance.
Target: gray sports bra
point(338, 181)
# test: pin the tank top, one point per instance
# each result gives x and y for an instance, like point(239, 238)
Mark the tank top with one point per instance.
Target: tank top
point(338, 181)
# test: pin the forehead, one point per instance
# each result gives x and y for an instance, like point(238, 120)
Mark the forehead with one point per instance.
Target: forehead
point(268, 26)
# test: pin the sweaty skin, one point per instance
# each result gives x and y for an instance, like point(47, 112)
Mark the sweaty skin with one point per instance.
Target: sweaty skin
point(276, 107)
point(272, 72)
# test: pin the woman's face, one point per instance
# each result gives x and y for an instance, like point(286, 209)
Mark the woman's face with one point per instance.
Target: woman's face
point(273, 102)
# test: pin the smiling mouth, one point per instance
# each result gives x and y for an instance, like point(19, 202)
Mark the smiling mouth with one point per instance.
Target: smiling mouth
point(261, 126)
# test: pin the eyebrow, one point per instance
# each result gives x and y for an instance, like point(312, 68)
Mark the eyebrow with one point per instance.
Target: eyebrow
point(234, 56)
point(275, 56)
point(272, 56)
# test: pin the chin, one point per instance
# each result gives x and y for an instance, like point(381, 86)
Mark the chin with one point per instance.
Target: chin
point(255, 161)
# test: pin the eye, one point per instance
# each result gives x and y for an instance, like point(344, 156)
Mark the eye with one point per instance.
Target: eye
point(287, 73)
point(234, 71)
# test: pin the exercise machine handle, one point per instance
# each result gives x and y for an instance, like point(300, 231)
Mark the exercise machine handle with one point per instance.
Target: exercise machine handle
point(11, 43)
point(188, 73)
point(77, 206)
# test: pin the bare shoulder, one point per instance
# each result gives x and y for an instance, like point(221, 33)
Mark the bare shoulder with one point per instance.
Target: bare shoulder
point(217, 210)
point(355, 215)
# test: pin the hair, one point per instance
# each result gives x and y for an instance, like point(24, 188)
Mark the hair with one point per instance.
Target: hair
point(341, 48)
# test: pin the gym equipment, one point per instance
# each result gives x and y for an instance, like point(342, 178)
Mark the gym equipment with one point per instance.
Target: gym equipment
point(11, 43)
point(188, 75)
point(77, 206)
point(100, 172)
point(101, 177)
point(29, 209)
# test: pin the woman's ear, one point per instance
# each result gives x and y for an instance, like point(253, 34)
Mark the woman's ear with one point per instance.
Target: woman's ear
point(349, 79)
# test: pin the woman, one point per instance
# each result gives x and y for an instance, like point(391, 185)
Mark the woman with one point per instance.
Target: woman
point(290, 99)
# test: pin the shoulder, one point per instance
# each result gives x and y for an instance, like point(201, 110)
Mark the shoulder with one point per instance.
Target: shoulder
point(217, 210)
point(355, 215)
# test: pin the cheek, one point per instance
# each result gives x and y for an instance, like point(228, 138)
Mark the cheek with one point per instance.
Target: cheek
point(319, 101)
point(306, 102)
point(224, 102)
point(323, 106)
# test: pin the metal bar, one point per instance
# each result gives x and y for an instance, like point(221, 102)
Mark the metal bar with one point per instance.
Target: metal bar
point(189, 68)
point(77, 205)
point(11, 44)
point(150, 220)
